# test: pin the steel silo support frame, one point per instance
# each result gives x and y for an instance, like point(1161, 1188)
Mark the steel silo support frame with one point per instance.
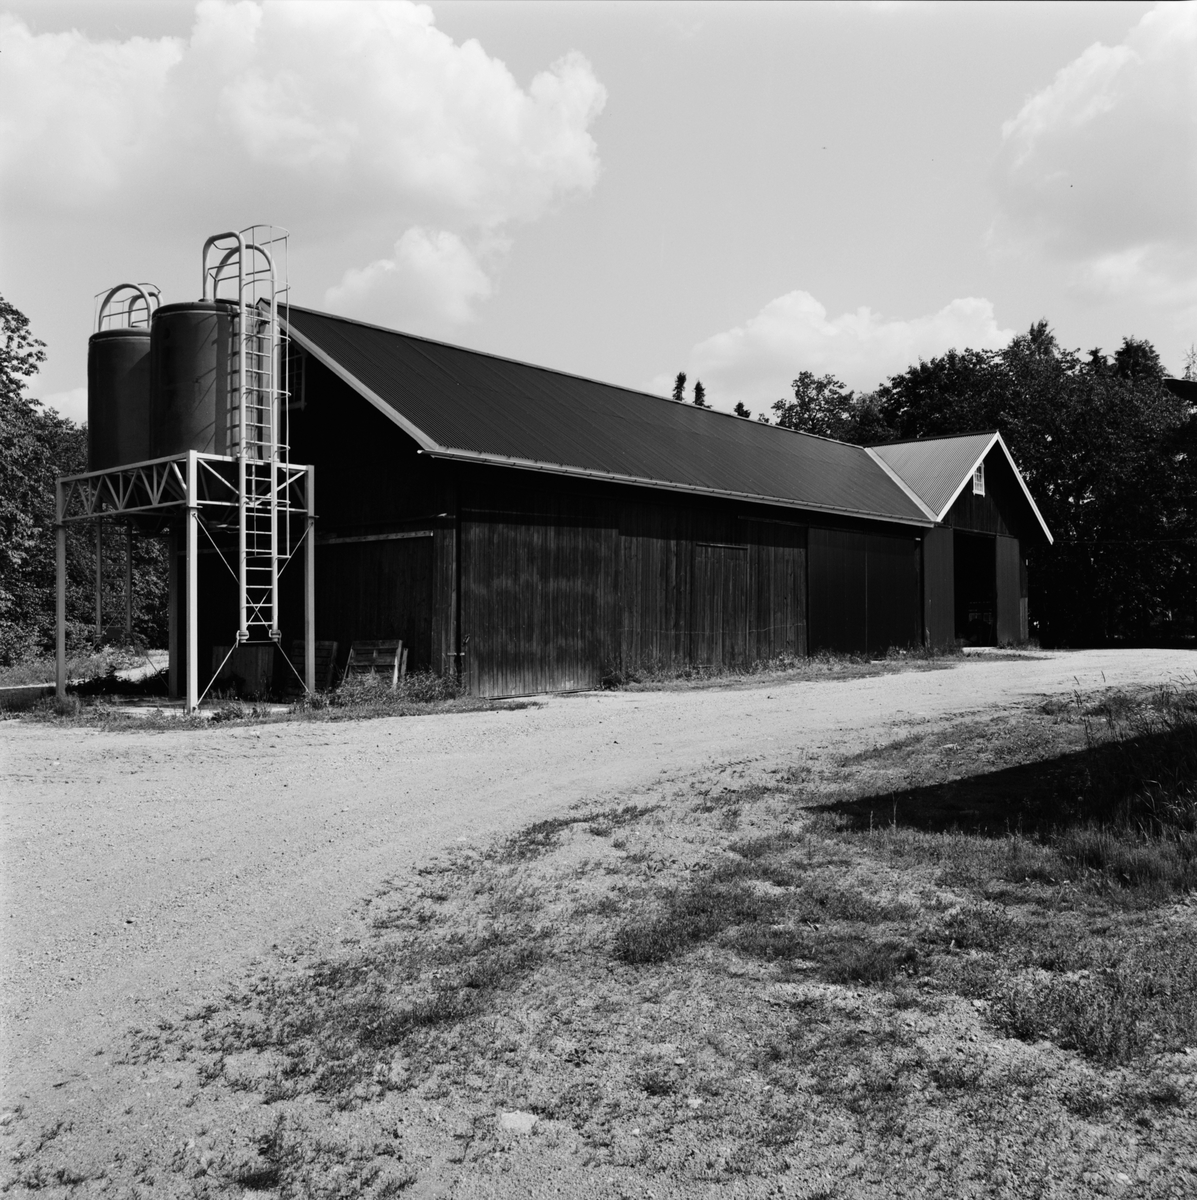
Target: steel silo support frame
point(191, 619)
point(197, 493)
point(59, 593)
point(309, 585)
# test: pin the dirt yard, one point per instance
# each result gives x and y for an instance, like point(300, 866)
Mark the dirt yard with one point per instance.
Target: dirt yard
point(148, 875)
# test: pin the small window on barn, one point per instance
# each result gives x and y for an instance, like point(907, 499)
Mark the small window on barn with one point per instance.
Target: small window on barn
point(979, 481)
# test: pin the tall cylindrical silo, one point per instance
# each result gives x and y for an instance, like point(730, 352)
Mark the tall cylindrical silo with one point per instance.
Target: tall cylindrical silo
point(190, 348)
point(118, 398)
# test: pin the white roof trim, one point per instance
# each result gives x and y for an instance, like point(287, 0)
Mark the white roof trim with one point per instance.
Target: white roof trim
point(997, 440)
point(911, 494)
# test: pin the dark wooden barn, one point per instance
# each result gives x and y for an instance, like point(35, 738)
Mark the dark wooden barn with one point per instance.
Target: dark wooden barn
point(537, 531)
point(975, 559)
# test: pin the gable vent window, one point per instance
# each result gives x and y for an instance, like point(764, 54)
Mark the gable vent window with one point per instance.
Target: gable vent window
point(979, 481)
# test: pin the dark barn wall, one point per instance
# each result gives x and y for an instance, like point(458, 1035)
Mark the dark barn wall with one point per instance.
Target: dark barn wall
point(536, 582)
point(568, 583)
point(708, 583)
point(1001, 510)
point(372, 483)
point(369, 474)
point(865, 590)
point(538, 595)
point(939, 601)
point(1002, 515)
point(1009, 592)
point(378, 590)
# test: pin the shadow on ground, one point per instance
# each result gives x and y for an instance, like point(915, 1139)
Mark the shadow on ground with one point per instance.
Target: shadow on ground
point(1100, 783)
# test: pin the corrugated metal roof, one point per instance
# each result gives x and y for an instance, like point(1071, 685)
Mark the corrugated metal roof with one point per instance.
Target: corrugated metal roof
point(935, 468)
point(463, 404)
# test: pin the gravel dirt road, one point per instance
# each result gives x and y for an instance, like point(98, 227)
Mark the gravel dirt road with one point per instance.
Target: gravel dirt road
point(141, 870)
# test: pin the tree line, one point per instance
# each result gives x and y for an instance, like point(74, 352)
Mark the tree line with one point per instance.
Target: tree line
point(36, 447)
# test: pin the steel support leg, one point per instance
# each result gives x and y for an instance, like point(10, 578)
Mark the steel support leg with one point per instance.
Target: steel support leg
point(192, 568)
point(173, 611)
point(59, 597)
point(129, 583)
point(309, 586)
point(99, 582)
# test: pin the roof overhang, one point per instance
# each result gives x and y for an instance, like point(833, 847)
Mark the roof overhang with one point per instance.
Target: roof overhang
point(453, 454)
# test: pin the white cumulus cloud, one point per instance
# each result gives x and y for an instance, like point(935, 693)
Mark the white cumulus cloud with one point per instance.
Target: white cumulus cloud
point(755, 361)
point(1099, 168)
point(432, 277)
point(349, 122)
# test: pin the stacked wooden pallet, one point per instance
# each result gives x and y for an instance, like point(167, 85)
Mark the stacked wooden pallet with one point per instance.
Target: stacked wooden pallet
point(384, 660)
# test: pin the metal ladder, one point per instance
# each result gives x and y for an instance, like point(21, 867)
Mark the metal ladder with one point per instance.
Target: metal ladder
point(257, 395)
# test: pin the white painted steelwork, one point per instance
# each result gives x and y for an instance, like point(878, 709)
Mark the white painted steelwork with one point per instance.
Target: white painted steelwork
point(254, 490)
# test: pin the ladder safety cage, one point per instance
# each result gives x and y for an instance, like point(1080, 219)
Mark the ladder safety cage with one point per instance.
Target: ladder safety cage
point(116, 308)
point(253, 263)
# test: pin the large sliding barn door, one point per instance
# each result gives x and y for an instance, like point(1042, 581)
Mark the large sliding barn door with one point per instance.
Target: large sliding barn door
point(537, 605)
point(719, 606)
point(864, 591)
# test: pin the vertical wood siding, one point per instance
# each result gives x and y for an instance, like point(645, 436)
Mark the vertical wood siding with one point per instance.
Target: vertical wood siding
point(537, 604)
point(1003, 509)
point(444, 600)
point(939, 598)
point(655, 566)
point(680, 566)
point(1009, 597)
point(719, 606)
point(892, 593)
point(777, 589)
point(837, 579)
point(864, 591)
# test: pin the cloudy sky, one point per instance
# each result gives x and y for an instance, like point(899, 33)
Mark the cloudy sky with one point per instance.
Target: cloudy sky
point(622, 191)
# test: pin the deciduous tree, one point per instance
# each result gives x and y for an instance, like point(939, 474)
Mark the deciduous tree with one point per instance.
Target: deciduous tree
point(37, 446)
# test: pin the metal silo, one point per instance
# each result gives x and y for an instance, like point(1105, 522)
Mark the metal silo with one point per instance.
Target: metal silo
point(118, 379)
point(191, 401)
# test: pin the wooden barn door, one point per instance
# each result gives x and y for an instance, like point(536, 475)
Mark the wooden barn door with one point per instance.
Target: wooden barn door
point(537, 605)
point(719, 606)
